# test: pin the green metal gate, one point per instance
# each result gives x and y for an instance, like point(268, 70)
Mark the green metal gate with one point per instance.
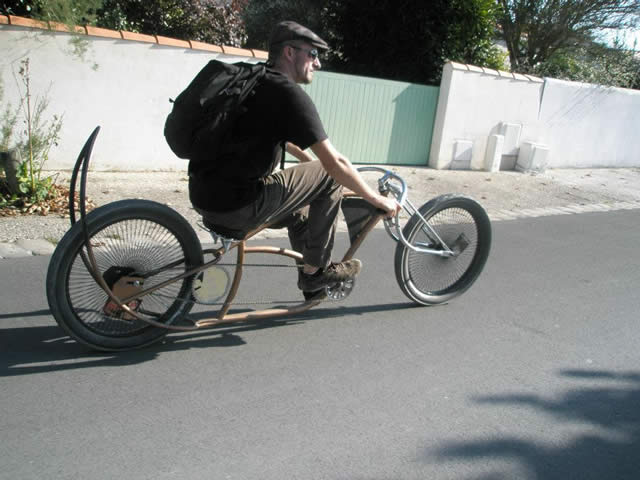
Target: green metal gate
point(376, 121)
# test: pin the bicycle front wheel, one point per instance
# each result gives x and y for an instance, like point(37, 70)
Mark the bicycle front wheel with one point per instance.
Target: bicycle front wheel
point(137, 244)
point(463, 225)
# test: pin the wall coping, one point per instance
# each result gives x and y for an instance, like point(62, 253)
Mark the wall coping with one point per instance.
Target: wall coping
point(494, 73)
point(131, 36)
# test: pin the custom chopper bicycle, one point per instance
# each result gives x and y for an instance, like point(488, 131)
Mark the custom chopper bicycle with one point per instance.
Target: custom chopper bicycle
point(129, 272)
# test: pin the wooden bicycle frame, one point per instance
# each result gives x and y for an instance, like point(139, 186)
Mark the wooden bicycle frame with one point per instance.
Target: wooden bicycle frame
point(223, 315)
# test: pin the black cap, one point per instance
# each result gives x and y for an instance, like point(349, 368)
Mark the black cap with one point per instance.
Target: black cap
point(288, 30)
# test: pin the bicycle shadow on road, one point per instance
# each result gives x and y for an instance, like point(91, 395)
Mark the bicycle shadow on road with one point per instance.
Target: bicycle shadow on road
point(42, 349)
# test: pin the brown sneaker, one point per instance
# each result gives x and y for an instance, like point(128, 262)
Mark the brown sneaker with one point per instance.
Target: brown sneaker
point(334, 273)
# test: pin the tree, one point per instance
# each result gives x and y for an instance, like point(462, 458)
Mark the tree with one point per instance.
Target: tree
point(69, 12)
point(535, 30)
point(410, 40)
point(472, 34)
point(406, 40)
point(209, 21)
point(594, 63)
point(213, 21)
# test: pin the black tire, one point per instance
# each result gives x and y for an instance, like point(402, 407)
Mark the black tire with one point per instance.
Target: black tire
point(430, 279)
point(138, 235)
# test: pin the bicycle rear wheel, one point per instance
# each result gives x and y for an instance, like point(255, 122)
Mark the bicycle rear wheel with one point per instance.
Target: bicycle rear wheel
point(136, 244)
point(463, 225)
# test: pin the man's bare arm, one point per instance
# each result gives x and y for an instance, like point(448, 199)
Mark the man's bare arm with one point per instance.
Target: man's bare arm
point(298, 153)
point(343, 172)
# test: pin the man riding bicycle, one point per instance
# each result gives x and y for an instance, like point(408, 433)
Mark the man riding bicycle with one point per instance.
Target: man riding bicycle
point(240, 193)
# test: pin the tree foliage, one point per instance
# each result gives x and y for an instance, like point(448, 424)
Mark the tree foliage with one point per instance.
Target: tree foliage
point(536, 30)
point(594, 63)
point(472, 34)
point(69, 12)
point(261, 16)
point(211, 21)
point(203, 20)
point(396, 39)
point(410, 40)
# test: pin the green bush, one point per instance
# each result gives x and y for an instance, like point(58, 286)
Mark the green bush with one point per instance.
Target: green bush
point(32, 145)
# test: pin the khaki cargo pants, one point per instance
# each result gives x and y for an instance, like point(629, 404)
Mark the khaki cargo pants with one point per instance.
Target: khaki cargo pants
point(304, 199)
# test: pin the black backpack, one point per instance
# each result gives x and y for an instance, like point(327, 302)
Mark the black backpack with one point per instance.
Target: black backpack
point(203, 114)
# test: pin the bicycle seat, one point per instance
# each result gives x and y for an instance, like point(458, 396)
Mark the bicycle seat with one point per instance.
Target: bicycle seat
point(223, 231)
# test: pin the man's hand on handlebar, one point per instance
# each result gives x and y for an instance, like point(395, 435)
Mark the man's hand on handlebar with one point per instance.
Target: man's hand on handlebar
point(388, 205)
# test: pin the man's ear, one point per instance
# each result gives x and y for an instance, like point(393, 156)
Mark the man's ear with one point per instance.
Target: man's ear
point(289, 52)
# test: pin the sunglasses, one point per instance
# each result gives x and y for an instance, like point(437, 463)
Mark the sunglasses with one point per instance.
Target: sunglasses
point(313, 53)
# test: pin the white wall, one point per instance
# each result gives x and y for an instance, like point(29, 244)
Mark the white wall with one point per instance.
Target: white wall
point(581, 125)
point(590, 125)
point(127, 95)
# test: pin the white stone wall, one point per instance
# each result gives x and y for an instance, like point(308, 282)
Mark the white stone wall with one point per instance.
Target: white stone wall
point(127, 94)
point(561, 124)
point(564, 124)
point(590, 125)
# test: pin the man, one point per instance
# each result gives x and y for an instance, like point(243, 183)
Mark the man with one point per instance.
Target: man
point(238, 192)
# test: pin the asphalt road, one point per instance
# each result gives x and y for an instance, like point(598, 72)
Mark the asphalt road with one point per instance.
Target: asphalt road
point(533, 374)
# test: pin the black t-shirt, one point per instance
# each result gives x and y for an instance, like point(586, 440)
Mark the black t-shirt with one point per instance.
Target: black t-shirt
point(278, 111)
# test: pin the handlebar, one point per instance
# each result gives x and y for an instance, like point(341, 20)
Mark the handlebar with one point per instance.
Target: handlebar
point(384, 185)
point(392, 224)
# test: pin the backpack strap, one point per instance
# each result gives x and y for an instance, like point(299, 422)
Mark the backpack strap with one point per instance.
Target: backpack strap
point(284, 152)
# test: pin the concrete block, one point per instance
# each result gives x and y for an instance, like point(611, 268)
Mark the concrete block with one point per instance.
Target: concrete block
point(462, 155)
point(532, 157)
point(493, 155)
